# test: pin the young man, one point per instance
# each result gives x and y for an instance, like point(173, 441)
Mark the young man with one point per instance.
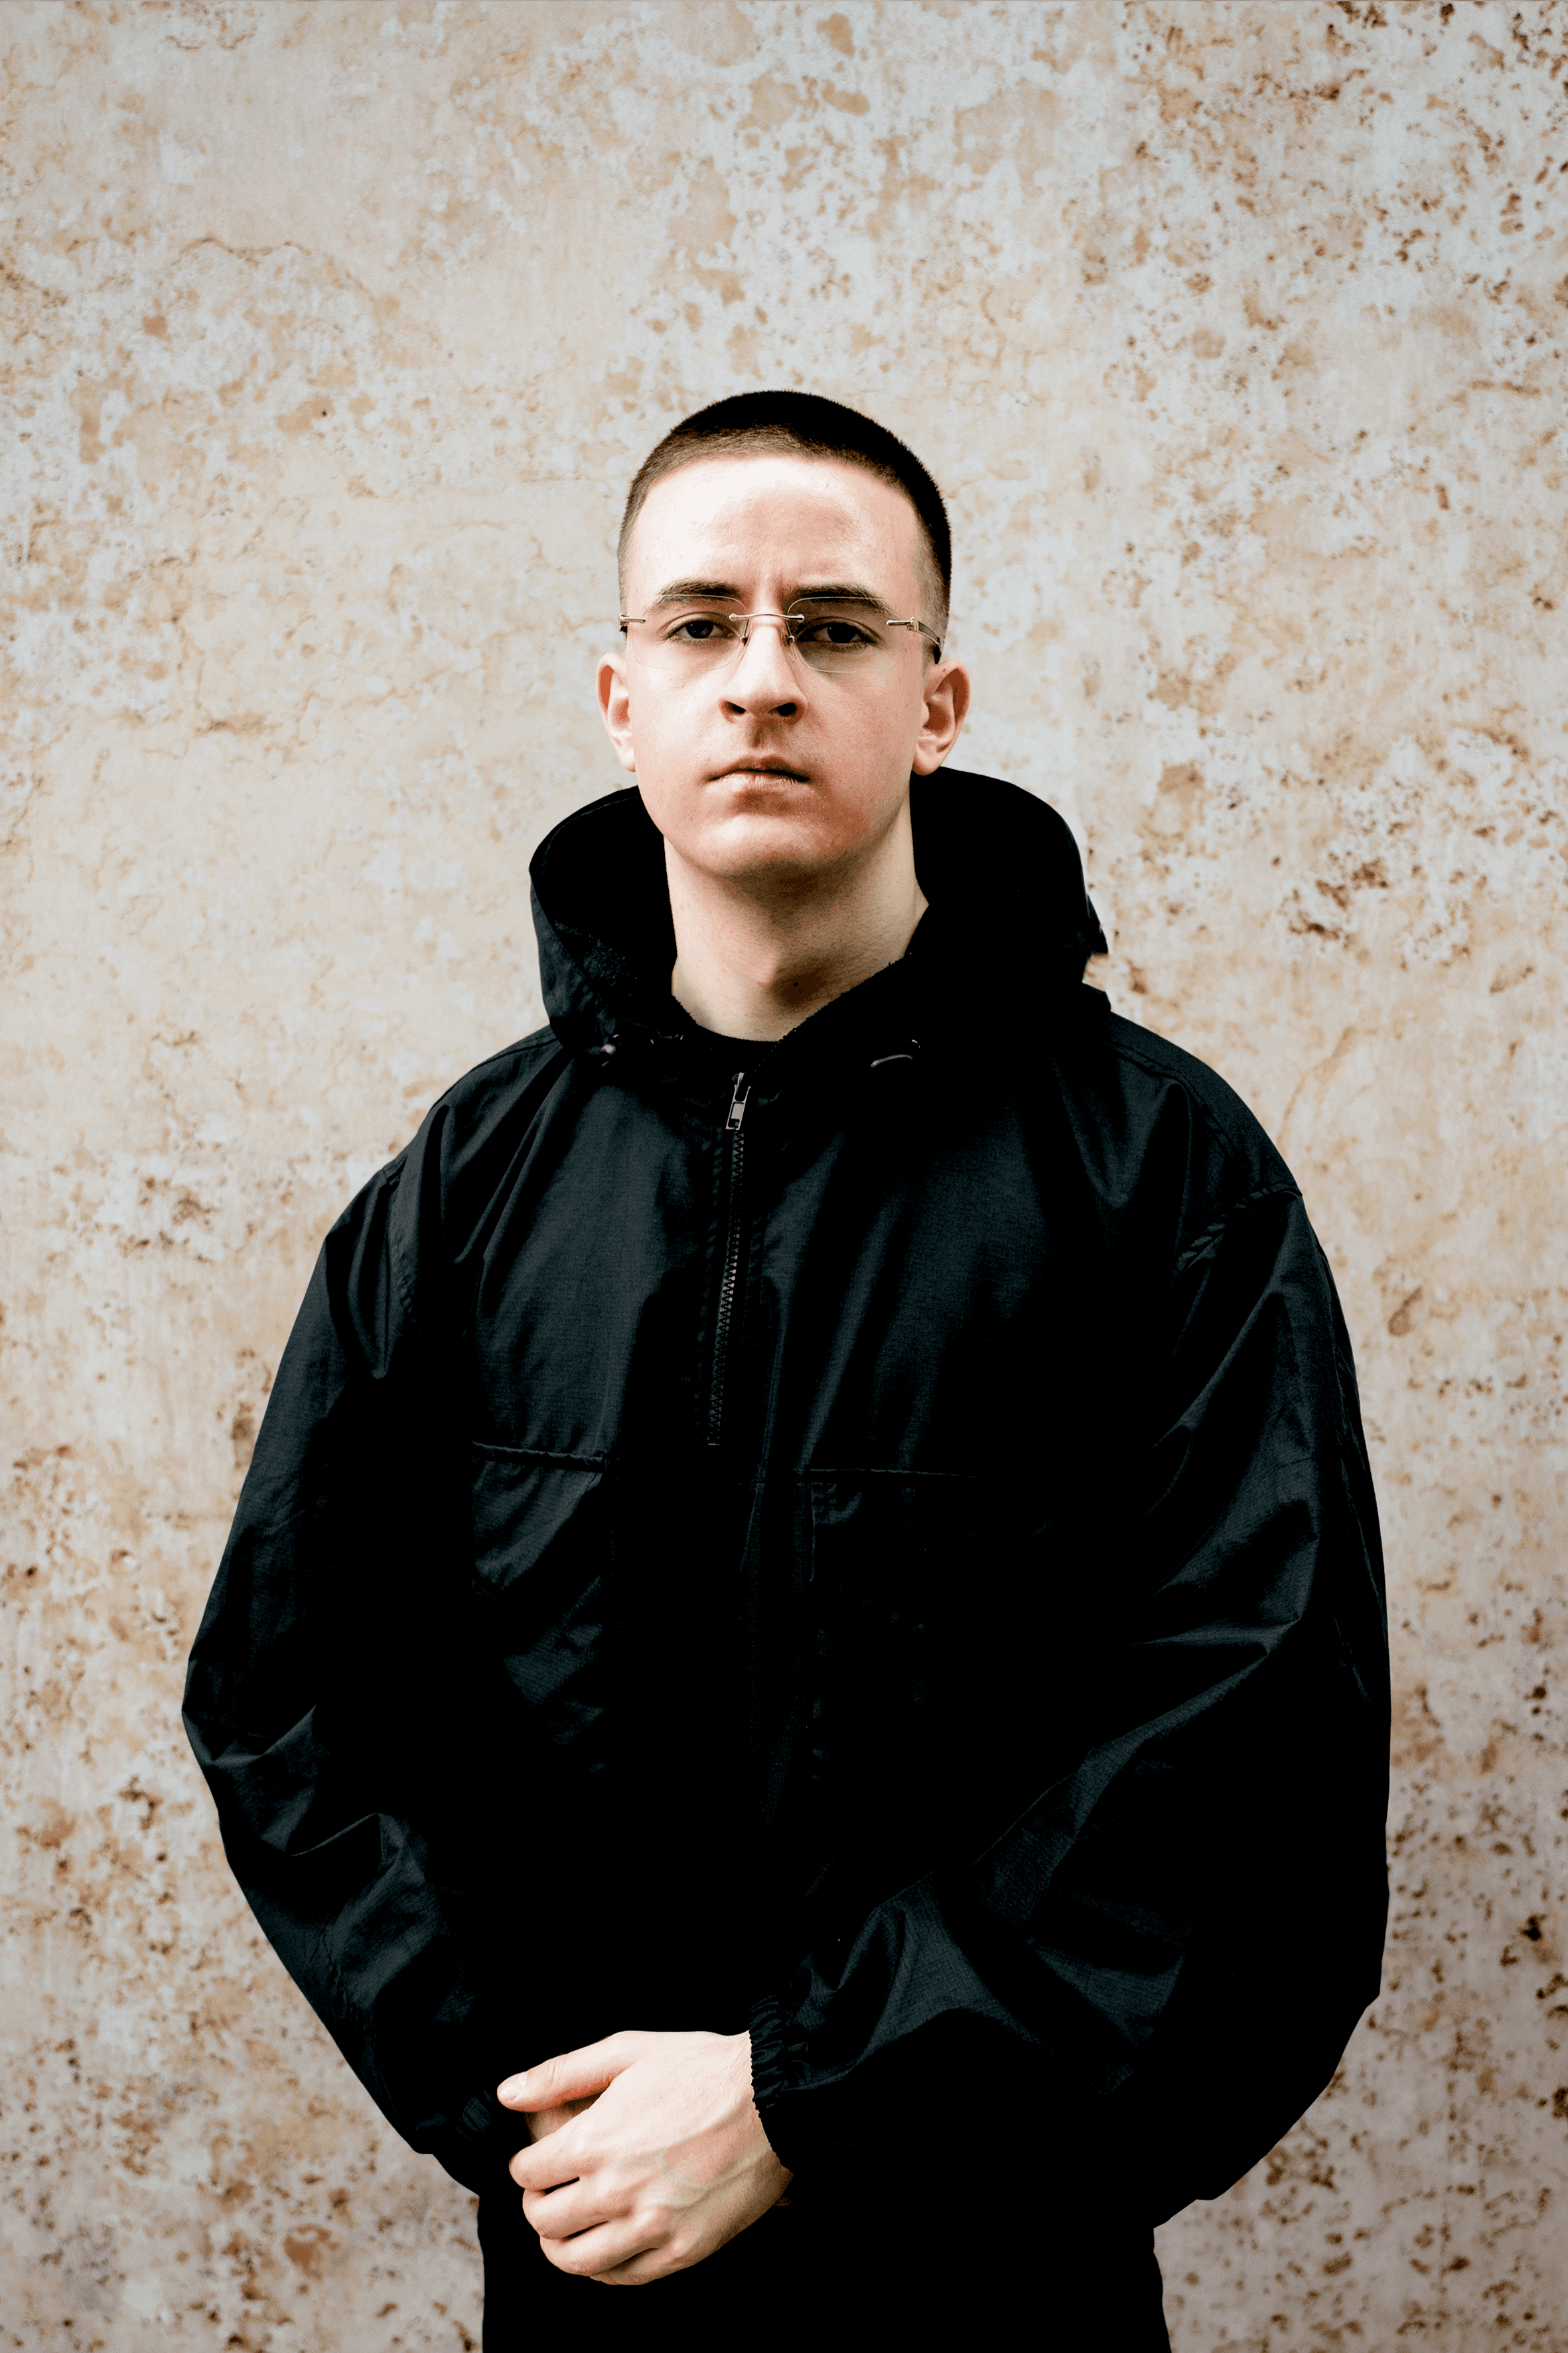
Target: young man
point(810, 1576)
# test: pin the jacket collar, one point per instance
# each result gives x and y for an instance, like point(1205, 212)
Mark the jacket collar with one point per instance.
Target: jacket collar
point(1000, 870)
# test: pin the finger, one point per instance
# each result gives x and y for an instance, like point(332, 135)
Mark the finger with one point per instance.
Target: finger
point(572, 2074)
point(656, 2263)
point(592, 2254)
point(546, 2164)
point(563, 2213)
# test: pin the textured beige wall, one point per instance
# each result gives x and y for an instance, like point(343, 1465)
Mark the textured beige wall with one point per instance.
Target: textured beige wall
point(1235, 333)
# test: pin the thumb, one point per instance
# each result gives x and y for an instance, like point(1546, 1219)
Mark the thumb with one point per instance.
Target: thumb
point(571, 2075)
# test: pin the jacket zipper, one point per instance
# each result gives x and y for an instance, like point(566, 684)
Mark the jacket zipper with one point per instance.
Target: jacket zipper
point(735, 1141)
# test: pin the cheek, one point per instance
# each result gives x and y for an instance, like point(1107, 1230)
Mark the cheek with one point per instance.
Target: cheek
point(664, 716)
point(668, 739)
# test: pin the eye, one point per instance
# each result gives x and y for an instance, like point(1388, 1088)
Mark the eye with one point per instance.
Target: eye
point(836, 634)
point(698, 630)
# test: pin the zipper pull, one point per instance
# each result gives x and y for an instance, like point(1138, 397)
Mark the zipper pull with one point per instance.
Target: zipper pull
point(738, 1104)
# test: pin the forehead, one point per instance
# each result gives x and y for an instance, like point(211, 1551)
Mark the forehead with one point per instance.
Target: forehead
point(808, 517)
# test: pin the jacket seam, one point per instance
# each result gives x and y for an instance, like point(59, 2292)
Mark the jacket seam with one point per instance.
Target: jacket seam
point(545, 1456)
point(539, 1041)
point(1212, 1233)
point(394, 1251)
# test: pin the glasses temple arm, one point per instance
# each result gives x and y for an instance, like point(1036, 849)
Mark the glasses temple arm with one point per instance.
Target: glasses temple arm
point(914, 622)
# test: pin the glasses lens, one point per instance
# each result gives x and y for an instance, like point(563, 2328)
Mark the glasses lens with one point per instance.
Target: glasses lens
point(839, 637)
point(695, 636)
point(836, 639)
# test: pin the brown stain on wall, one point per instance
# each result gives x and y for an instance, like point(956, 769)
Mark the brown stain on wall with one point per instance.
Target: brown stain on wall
point(328, 341)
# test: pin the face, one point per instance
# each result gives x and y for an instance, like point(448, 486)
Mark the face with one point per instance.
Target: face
point(762, 766)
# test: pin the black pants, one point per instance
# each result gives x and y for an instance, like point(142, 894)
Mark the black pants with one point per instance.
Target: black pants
point(788, 2281)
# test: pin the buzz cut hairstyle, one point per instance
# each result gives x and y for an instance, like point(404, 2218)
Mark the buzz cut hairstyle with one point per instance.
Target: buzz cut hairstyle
point(803, 425)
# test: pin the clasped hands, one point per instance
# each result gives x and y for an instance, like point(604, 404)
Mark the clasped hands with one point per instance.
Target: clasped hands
point(648, 2154)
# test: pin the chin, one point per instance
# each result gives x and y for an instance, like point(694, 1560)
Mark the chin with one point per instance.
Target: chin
point(757, 841)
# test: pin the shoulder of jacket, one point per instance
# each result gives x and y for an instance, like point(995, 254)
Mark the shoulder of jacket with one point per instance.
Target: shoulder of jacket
point(487, 1099)
point(1230, 1160)
point(1172, 1069)
point(499, 1078)
point(459, 1137)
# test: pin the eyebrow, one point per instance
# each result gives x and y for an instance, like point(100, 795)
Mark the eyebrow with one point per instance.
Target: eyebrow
point(845, 592)
point(837, 592)
point(678, 591)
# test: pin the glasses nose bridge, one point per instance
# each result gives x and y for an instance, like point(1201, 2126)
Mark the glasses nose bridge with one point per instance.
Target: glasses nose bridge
point(787, 633)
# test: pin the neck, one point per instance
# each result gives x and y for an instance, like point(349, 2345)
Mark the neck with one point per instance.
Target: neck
point(755, 956)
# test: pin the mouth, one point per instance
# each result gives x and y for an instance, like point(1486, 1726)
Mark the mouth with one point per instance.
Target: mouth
point(762, 766)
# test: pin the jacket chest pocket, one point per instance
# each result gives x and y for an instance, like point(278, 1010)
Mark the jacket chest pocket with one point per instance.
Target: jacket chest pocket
point(542, 1569)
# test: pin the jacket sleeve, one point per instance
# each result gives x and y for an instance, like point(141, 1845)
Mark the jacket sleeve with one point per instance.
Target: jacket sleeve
point(1163, 1955)
point(340, 1751)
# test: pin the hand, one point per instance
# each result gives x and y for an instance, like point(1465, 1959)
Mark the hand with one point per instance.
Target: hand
point(668, 2162)
point(543, 2122)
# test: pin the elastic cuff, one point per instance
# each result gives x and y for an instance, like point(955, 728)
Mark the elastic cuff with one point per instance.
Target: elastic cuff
point(772, 2078)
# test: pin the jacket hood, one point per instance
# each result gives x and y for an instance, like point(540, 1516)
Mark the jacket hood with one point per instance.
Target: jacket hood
point(1000, 870)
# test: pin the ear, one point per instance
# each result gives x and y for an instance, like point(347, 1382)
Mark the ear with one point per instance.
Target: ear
point(615, 708)
point(945, 686)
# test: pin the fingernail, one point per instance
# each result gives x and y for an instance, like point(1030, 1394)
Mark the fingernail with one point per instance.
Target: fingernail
point(513, 2089)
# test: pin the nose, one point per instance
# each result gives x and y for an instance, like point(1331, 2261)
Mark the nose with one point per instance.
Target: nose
point(766, 677)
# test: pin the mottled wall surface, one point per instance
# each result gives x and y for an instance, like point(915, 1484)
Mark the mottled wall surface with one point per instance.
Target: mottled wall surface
point(1235, 333)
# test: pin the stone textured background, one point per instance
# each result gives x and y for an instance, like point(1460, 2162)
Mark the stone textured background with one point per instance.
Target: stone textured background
point(330, 334)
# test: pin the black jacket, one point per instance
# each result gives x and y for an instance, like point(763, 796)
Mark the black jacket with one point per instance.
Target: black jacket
point(883, 1553)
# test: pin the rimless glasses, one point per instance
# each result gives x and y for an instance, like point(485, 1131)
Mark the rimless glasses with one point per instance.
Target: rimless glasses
point(829, 634)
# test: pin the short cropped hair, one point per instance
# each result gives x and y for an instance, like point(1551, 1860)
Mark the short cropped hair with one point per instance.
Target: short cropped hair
point(806, 425)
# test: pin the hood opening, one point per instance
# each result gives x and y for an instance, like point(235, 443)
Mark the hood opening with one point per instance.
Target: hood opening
point(999, 868)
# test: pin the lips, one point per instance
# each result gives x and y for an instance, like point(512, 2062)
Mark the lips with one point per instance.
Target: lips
point(762, 767)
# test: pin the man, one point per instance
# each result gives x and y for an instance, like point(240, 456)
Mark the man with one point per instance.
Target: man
point(810, 1579)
